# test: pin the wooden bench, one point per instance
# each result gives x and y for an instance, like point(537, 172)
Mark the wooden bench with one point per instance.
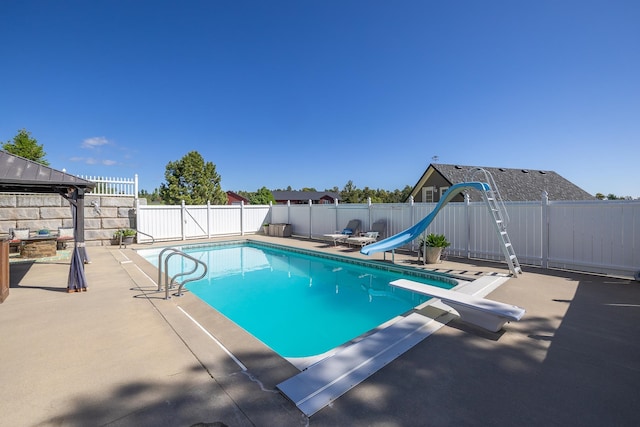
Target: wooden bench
point(488, 314)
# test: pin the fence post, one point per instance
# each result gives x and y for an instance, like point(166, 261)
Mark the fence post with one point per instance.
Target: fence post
point(369, 206)
point(467, 218)
point(135, 186)
point(545, 229)
point(335, 202)
point(242, 217)
point(183, 220)
point(412, 211)
point(208, 219)
point(310, 218)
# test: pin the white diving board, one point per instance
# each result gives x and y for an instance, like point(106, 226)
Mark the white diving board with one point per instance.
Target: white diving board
point(322, 383)
point(488, 314)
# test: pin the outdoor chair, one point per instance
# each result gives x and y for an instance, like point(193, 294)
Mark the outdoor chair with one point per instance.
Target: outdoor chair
point(377, 229)
point(352, 229)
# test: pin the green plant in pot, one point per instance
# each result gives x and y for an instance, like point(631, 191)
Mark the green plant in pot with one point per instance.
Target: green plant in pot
point(124, 235)
point(433, 244)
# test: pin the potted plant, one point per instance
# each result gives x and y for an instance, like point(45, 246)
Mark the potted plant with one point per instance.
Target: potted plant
point(123, 236)
point(434, 244)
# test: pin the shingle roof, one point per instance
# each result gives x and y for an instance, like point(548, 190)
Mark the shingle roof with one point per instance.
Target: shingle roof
point(519, 184)
point(18, 174)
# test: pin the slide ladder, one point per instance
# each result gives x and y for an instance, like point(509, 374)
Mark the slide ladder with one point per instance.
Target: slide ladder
point(493, 202)
point(500, 216)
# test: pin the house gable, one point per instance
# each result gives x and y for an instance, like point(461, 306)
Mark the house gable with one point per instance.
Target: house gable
point(513, 184)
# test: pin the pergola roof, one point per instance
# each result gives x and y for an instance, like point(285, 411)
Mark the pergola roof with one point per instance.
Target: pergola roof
point(20, 175)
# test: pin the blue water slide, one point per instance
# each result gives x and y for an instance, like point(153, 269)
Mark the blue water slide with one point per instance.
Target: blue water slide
point(411, 233)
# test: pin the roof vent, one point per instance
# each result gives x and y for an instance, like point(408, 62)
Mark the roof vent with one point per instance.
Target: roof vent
point(501, 169)
point(458, 167)
point(525, 171)
point(542, 172)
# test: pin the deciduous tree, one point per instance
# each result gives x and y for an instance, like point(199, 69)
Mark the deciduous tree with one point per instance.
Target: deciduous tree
point(261, 197)
point(193, 180)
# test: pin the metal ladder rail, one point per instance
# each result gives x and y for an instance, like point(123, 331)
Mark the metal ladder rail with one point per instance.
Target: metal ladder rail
point(170, 283)
point(153, 239)
point(494, 193)
point(166, 272)
point(501, 230)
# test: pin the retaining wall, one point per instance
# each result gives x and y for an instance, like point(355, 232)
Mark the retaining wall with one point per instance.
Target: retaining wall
point(50, 211)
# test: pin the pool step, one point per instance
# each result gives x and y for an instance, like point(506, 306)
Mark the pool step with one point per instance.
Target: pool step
point(322, 383)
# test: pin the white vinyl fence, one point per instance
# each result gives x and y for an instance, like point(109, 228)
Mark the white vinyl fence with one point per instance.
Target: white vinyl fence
point(591, 236)
point(183, 222)
point(111, 186)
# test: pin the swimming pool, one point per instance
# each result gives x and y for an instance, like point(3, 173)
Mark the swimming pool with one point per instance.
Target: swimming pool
point(298, 303)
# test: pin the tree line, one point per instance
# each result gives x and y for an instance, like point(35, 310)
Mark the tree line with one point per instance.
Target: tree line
point(349, 194)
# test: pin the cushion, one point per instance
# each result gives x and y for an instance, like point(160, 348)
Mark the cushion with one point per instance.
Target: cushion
point(373, 234)
point(65, 232)
point(20, 233)
point(347, 231)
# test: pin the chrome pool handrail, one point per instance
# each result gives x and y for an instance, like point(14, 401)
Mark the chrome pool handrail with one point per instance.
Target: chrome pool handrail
point(168, 284)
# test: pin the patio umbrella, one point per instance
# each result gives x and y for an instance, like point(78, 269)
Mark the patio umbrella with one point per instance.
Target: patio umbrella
point(77, 280)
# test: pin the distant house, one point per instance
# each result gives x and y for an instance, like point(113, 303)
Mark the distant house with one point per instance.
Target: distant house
point(236, 199)
point(301, 197)
point(513, 184)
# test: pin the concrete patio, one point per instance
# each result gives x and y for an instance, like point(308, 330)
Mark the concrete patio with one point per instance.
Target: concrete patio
point(121, 355)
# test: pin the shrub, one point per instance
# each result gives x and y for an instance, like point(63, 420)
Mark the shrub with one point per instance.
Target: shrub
point(436, 240)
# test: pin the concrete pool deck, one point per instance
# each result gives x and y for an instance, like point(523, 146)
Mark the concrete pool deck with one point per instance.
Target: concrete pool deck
point(120, 355)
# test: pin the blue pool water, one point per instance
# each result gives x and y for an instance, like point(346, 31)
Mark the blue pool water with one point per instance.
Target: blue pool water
point(296, 303)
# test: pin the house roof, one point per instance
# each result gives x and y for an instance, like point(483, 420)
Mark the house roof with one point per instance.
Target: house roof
point(513, 184)
point(304, 195)
point(20, 175)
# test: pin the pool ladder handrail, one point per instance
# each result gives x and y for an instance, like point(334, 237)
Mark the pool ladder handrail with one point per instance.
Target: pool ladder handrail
point(169, 284)
point(153, 239)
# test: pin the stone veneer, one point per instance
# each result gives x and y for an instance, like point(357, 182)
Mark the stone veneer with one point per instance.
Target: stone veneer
point(50, 211)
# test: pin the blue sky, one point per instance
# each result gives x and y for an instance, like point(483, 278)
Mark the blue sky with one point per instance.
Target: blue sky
point(317, 93)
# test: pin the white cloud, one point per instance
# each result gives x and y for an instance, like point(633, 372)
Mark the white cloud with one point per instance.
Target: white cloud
point(76, 159)
point(109, 162)
point(90, 161)
point(94, 142)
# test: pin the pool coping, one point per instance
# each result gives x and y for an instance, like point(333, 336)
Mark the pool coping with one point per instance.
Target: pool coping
point(240, 340)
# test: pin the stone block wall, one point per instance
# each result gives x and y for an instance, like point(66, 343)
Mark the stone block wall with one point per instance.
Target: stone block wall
point(103, 214)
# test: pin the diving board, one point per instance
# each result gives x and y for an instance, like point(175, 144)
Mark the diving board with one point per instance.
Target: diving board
point(488, 314)
point(325, 381)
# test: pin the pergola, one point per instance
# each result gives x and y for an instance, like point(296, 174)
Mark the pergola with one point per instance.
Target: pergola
point(20, 175)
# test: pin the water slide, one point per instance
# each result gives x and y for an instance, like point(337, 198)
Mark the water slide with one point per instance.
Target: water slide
point(414, 232)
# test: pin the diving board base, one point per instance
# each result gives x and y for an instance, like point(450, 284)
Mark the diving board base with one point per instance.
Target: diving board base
point(322, 383)
point(488, 314)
